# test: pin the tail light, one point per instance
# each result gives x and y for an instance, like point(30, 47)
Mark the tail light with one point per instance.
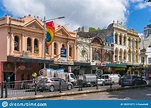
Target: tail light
point(47, 81)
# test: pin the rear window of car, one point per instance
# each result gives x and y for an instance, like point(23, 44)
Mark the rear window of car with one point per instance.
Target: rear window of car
point(127, 77)
point(55, 79)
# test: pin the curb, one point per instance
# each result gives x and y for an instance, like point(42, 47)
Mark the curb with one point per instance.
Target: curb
point(72, 93)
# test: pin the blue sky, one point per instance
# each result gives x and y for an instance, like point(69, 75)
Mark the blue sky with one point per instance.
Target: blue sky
point(96, 13)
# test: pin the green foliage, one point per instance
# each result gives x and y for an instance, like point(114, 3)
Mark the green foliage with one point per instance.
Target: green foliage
point(93, 29)
point(149, 25)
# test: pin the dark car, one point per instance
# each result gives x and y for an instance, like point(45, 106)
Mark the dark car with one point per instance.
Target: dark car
point(132, 80)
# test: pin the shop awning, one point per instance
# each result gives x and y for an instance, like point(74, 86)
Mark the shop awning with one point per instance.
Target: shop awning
point(122, 65)
point(20, 59)
point(81, 64)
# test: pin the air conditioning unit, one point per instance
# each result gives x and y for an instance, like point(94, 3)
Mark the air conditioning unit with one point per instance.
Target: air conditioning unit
point(25, 54)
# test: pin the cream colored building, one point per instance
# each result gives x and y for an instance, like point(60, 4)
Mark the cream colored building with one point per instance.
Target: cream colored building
point(126, 45)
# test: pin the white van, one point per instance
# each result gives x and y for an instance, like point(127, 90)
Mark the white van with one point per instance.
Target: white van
point(115, 78)
point(70, 77)
point(111, 78)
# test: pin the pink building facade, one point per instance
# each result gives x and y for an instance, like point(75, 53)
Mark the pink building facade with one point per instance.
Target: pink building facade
point(22, 47)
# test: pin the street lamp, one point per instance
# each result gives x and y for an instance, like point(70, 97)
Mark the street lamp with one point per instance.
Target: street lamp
point(46, 34)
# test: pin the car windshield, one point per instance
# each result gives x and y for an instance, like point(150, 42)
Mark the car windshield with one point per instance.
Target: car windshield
point(43, 80)
point(72, 76)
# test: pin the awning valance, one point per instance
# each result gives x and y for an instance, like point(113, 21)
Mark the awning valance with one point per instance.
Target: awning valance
point(20, 59)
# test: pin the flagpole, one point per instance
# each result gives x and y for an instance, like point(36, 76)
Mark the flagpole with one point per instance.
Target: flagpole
point(44, 42)
point(45, 36)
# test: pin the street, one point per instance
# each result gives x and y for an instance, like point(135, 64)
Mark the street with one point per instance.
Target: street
point(19, 93)
point(131, 94)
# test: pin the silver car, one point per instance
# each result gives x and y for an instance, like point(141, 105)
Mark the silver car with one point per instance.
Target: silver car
point(53, 84)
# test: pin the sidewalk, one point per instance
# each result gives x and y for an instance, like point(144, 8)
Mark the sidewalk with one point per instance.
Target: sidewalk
point(69, 93)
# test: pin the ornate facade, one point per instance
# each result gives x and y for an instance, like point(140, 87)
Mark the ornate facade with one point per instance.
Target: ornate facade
point(22, 47)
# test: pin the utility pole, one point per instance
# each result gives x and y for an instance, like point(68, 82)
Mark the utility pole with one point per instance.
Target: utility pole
point(46, 36)
point(133, 55)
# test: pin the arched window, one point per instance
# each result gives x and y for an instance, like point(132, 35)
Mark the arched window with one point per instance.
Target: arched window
point(36, 46)
point(55, 48)
point(107, 57)
point(124, 40)
point(96, 55)
point(116, 38)
point(29, 47)
point(120, 39)
point(16, 43)
point(70, 50)
point(125, 55)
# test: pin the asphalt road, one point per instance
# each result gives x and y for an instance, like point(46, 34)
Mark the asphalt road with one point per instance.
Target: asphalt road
point(131, 94)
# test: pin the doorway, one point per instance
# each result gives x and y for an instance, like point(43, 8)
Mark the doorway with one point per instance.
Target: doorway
point(9, 76)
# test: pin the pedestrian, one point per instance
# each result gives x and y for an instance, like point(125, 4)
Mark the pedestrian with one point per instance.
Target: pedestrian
point(34, 75)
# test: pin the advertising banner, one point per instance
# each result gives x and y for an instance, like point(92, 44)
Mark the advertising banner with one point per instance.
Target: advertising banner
point(63, 54)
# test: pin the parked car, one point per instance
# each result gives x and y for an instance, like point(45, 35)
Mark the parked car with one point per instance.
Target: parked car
point(52, 84)
point(131, 80)
point(105, 79)
point(100, 82)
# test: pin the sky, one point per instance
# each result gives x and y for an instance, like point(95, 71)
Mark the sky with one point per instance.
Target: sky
point(135, 14)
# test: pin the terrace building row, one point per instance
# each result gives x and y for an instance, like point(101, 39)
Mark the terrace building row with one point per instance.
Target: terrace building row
point(114, 49)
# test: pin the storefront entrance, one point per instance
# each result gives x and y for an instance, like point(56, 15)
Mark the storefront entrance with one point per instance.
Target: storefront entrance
point(9, 76)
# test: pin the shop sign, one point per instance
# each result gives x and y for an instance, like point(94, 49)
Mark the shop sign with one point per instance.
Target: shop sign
point(93, 63)
point(98, 64)
point(64, 62)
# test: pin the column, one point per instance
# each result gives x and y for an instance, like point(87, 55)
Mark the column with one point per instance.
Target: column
point(32, 44)
point(11, 44)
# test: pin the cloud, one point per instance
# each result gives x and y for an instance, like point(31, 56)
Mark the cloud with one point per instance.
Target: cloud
point(140, 4)
point(94, 13)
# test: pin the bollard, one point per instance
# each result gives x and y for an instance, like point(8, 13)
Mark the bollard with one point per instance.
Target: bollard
point(96, 83)
point(110, 83)
point(2, 88)
point(6, 89)
point(60, 85)
point(35, 88)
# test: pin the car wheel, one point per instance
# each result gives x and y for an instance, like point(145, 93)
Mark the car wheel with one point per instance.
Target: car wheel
point(144, 83)
point(69, 87)
point(122, 85)
point(41, 90)
point(51, 89)
point(103, 84)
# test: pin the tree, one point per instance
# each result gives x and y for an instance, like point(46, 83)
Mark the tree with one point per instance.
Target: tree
point(92, 29)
